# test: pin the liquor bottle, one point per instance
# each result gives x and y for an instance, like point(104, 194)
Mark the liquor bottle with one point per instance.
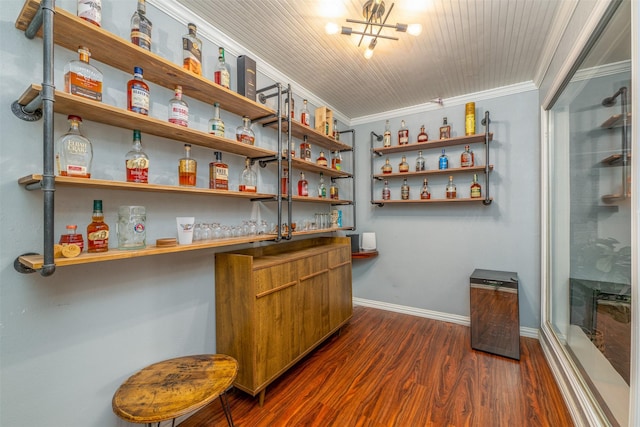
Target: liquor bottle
point(244, 132)
point(445, 129)
point(285, 152)
point(404, 190)
point(72, 237)
point(141, 27)
point(304, 114)
point(403, 134)
point(248, 178)
point(191, 51)
point(386, 191)
point(420, 163)
point(74, 152)
point(443, 161)
point(284, 181)
point(216, 125)
point(218, 173)
point(422, 136)
point(303, 186)
point(425, 192)
point(187, 168)
point(322, 188)
point(470, 118)
point(322, 160)
point(82, 78)
point(137, 162)
point(305, 149)
point(138, 93)
point(404, 166)
point(386, 138)
point(336, 134)
point(290, 111)
point(476, 188)
point(334, 192)
point(451, 189)
point(178, 109)
point(222, 75)
point(336, 160)
point(386, 168)
point(90, 11)
point(466, 158)
point(97, 230)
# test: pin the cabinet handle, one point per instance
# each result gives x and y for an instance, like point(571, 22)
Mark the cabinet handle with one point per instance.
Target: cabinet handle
point(317, 273)
point(276, 289)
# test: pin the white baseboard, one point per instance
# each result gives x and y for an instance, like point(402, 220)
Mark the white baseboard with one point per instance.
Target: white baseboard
point(430, 314)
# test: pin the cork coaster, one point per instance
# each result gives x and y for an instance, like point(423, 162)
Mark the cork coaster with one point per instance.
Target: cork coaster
point(169, 241)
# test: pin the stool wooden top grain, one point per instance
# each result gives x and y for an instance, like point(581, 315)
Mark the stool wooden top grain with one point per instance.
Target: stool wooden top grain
point(171, 388)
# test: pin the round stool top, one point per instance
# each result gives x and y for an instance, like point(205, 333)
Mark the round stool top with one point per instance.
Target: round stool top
point(174, 387)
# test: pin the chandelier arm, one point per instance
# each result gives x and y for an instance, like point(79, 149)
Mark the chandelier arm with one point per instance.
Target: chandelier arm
point(380, 36)
point(367, 23)
point(355, 21)
point(384, 21)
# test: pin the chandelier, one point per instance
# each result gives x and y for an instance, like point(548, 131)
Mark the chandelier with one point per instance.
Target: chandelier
point(374, 22)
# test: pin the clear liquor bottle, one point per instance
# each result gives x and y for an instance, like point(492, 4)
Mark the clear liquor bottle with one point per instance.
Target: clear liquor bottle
point(304, 114)
point(476, 189)
point(404, 190)
point(404, 166)
point(334, 192)
point(386, 138)
point(284, 181)
point(138, 93)
point(336, 160)
point(141, 27)
point(74, 152)
point(451, 189)
point(322, 187)
point(305, 149)
point(386, 168)
point(443, 161)
point(216, 125)
point(303, 186)
point(244, 133)
point(191, 51)
point(386, 191)
point(290, 111)
point(178, 109)
point(322, 160)
point(403, 134)
point(420, 163)
point(187, 168)
point(466, 158)
point(285, 151)
point(137, 162)
point(90, 11)
point(82, 78)
point(425, 192)
point(97, 230)
point(445, 129)
point(218, 173)
point(336, 134)
point(222, 76)
point(248, 178)
point(422, 136)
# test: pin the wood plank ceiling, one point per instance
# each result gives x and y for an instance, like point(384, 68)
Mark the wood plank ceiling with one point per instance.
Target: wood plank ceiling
point(465, 46)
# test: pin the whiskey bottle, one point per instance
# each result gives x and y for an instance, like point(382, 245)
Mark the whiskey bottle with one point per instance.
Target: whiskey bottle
point(284, 181)
point(334, 192)
point(285, 151)
point(386, 138)
point(476, 188)
point(466, 158)
point(386, 191)
point(222, 75)
point(178, 109)
point(322, 160)
point(90, 11)
point(404, 190)
point(322, 188)
point(74, 152)
point(451, 189)
point(137, 162)
point(470, 118)
point(97, 230)
point(304, 114)
point(443, 161)
point(425, 192)
point(336, 160)
point(138, 93)
point(404, 166)
point(420, 163)
point(305, 149)
point(386, 168)
point(191, 51)
point(244, 133)
point(187, 168)
point(422, 136)
point(141, 27)
point(445, 129)
point(336, 134)
point(303, 186)
point(290, 111)
point(248, 178)
point(218, 173)
point(216, 125)
point(72, 237)
point(403, 134)
point(82, 78)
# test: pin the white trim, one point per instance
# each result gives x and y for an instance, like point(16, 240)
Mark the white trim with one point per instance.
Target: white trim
point(602, 71)
point(456, 100)
point(430, 314)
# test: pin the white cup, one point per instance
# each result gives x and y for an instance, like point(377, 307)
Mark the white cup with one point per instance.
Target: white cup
point(185, 229)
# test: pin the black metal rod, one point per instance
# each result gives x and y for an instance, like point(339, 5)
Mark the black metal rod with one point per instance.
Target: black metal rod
point(373, 156)
point(279, 198)
point(487, 198)
point(625, 142)
point(353, 173)
point(289, 165)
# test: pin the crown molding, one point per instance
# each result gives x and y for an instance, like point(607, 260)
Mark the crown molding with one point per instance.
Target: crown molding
point(602, 71)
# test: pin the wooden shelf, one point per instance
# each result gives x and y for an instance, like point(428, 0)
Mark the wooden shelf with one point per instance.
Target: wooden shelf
point(312, 199)
point(612, 198)
point(121, 185)
point(438, 143)
point(71, 31)
point(323, 230)
point(299, 131)
point(420, 201)
point(100, 112)
point(615, 121)
point(614, 160)
point(36, 261)
point(364, 255)
point(312, 167)
point(382, 176)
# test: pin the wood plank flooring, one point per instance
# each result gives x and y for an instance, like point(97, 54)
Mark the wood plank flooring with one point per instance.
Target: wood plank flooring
point(391, 369)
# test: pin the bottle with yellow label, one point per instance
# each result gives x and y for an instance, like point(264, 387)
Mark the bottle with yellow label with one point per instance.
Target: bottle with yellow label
point(98, 230)
point(470, 118)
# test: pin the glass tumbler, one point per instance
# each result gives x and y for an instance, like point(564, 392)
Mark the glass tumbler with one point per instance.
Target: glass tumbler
point(131, 227)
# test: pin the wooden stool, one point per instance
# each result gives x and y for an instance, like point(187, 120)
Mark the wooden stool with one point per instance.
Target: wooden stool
point(169, 389)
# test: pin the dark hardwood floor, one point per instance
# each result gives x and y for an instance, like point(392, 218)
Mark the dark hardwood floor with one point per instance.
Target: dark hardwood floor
point(391, 369)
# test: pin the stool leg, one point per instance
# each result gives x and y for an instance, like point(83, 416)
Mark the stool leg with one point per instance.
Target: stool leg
point(225, 407)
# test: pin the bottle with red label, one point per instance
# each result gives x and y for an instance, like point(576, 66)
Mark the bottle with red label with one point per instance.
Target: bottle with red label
point(137, 162)
point(403, 134)
point(304, 114)
point(138, 93)
point(303, 186)
point(72, 237)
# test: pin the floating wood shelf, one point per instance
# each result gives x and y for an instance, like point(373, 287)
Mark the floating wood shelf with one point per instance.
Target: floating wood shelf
point(438, 143)
point(312, 167)
point(420, 201)
point(615, 121)
point(613, 198)
point(364, 255)
point(431, 172)
point(615, 160)
point(318, 200)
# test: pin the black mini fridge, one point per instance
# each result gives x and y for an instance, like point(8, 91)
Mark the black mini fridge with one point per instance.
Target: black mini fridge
point(495, 314)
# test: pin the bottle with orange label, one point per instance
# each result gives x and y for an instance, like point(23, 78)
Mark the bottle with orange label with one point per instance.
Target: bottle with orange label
point(98, 230)
point(82, 78)
point(191, 51)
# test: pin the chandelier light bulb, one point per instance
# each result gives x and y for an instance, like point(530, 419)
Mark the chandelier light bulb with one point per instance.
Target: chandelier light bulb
point(331, 28)
point(368, 53)
point(414, 29)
